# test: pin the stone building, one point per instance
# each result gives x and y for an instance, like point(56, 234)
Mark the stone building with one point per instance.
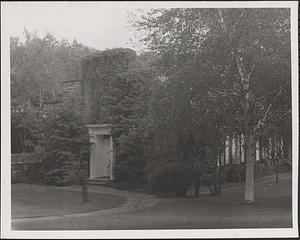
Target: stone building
point(97, 70)
point(70, 92)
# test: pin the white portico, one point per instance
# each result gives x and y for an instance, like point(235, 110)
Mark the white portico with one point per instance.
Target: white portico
point(102, 152)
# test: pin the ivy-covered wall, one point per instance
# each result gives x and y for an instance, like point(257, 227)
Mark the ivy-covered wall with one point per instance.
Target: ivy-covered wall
point(97, 71)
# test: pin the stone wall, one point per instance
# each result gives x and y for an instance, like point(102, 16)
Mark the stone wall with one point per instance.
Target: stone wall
point(25, 167)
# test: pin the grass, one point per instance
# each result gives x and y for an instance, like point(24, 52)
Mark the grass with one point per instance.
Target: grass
point(38, 200)
point(272, 209)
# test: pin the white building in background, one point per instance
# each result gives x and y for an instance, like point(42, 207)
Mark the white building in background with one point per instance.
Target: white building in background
point(234, 150)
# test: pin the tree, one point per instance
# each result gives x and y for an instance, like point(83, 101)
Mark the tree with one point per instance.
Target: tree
point(124, 103)
point(39, 65)
point(25, 129)
point(30, 68)
point(181, 116)
point(238, 50)
point(67, 149)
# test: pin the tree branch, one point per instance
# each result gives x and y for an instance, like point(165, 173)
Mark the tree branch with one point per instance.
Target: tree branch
point(218, 91)
point(266, 113)
point(238, 19)
point(282, 117)
point(270, 93)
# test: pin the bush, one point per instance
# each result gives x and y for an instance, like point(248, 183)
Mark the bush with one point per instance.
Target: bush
point(235, 173)
point(34, 173)
point(174, 177)
point(130, 159)
point(284, 167)
point(58, 168)
point(126, 171)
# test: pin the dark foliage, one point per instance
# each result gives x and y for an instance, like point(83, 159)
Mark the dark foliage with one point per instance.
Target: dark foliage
point(173, 177)
point(67, 149)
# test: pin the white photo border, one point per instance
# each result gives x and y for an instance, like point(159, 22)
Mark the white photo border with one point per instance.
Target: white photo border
point(6, 232)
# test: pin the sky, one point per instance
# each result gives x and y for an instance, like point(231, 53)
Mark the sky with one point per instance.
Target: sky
point(95, 25)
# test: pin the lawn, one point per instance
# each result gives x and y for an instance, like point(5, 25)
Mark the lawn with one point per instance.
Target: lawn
point(272, 209)
point(38, 200)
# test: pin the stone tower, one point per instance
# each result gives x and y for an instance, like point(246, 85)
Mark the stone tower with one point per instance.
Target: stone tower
point(97, 69)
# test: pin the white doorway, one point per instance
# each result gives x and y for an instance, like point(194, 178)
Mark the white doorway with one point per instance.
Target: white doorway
point(101, 155)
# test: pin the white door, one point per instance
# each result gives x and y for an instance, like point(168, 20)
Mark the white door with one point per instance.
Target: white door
point(102, 156)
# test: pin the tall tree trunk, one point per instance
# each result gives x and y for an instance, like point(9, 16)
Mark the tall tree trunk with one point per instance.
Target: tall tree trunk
point(197, 177)
point(273, 149)
point(224, 167)
point(260, 149)
point(236, 148)
point(240, 149)
point(277, 171)
point(249, 186)
point(276, 157)
point(248, 134)
point(230, 150)
point(220, 173)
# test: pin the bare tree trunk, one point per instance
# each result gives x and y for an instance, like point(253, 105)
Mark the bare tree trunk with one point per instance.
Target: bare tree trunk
point(197, 176)
point(220, 174)
point(249, 186)
point(249, 135)
point(236, 148)
point(260, 149)
point(207, 183)
point(216, 175)
point(224, 157)
point(273, 142)
point(240, 148)
point(276, 171)
point(277, 154)
point(230, 150)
